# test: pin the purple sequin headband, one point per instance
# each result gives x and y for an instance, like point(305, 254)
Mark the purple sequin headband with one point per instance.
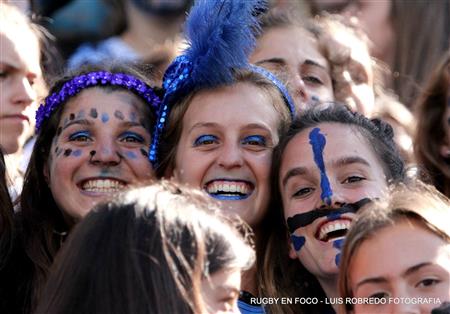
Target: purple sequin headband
point(102, 78)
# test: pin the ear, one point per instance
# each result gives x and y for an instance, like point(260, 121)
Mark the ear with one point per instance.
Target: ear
point(292, 251)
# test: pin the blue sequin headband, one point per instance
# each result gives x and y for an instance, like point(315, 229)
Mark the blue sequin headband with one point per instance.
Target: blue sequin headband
point(102, 78)
point(177, 83)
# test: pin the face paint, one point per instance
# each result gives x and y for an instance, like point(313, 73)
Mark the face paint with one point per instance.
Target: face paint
point(119, 115)
point(105, 117)
point(297, 241)
point(144, 152)
point(67, 152)
point(304, 219)
point(318, 141)
point(58, 131)
point(337, 260)
point(131, 155)
point(77, 153)
point(93, 113)
point(80, 115)
point(133, 117)
point(71, 116)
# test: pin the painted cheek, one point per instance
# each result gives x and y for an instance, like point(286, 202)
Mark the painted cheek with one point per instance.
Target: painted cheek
point(318, 142)
point(93, 113)
point(119, 115)
point(338, 244)
point(298, 242)
point(105, 117)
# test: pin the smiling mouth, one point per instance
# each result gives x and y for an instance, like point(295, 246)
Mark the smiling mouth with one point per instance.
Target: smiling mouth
point(333, 230)
point(229, 189)
point(106, 186)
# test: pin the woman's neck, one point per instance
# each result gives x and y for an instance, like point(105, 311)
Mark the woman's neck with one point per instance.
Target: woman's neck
point(330, 287)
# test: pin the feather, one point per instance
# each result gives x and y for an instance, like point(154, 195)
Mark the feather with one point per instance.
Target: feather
point(221, 35)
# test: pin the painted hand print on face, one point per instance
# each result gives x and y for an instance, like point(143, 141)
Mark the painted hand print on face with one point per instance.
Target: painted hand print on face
point(97, 154)
point(327, 174)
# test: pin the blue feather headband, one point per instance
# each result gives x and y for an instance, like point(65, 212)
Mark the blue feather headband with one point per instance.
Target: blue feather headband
point(221, 36)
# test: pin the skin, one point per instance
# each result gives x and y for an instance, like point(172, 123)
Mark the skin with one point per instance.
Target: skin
point(354, 172)
point(220, 291)
point(19, 70)
point(228, 137)
point(355, 86)
point(419, 269)
point(373, 17)
point(89, 150)
point(294, 53)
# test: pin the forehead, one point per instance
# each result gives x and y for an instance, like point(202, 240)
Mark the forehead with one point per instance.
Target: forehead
point(104, 100)
point(341, 140)
point(21, 52)
point(291, 43)
point(235, 104)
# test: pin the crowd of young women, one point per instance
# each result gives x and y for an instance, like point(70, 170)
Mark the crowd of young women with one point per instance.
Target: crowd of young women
point(219, 188)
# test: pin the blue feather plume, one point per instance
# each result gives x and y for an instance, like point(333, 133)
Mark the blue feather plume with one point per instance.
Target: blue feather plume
point(221, 35)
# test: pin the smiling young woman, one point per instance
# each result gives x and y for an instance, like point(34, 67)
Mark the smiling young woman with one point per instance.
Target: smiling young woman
point(93, 139)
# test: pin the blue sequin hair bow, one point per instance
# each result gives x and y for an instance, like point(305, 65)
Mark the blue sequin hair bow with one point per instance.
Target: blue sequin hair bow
point(91, 79)
point(221, 36)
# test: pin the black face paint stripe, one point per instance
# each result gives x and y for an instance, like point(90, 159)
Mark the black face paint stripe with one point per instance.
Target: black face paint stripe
point(302, 220)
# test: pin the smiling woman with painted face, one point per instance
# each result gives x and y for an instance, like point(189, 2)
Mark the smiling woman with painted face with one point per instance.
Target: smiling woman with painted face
point(346, 160)
point(93, 139)
point(224, 118)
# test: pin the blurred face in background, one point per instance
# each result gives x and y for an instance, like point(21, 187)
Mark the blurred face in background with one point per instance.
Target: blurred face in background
point(20, 73)
point(293, 54)
point(373, 17)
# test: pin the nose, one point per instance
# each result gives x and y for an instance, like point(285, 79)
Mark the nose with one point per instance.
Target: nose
point(23, 92)
point(105, 154)
point(335, 197)
point(230, 156)
point(299, 89)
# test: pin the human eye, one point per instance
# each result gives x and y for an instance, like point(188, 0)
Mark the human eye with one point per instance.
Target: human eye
point(4, 74)
point(131, 137)
point(353, 179)
point(303, 192)
point(427, 282)
point(257, 140)
point(312, 80)
point(80, 136)
point(205, 140)
point(379, 295)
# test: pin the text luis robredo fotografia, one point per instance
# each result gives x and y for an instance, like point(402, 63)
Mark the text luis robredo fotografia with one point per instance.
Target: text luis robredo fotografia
point(333, 301)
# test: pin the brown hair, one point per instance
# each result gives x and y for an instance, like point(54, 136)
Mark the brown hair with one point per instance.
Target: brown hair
point(172, 133)
point(146, 251)
point(42, 225)
point(431, 108)
point(415, 202)
point(6, 215)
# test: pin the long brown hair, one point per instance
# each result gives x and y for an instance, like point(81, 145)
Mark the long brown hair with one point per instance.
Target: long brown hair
point(415, 201)
point(6, 215)
point(41, 222)
point(147, 251)
point(431, 107)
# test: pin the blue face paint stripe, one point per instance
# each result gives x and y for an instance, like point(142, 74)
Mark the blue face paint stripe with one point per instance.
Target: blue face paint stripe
point(298, 242)
point(337, 259)
point(77, 153)
point(339, 244)
point(318, 142)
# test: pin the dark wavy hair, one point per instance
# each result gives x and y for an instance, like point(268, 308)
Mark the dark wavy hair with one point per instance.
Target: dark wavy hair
point(280, 275)
point(147, 251)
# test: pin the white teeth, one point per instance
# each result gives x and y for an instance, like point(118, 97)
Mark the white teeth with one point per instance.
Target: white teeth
point(103, 186)
point(228, 187)
point(333, 226)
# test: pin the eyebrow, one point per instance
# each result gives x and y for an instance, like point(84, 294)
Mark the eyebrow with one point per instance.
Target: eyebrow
point(298, 171)
point(279, 61)
point(202, 125)
point(406, 273)
point(348, 160)
point(78, 121)
point(314, 63)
